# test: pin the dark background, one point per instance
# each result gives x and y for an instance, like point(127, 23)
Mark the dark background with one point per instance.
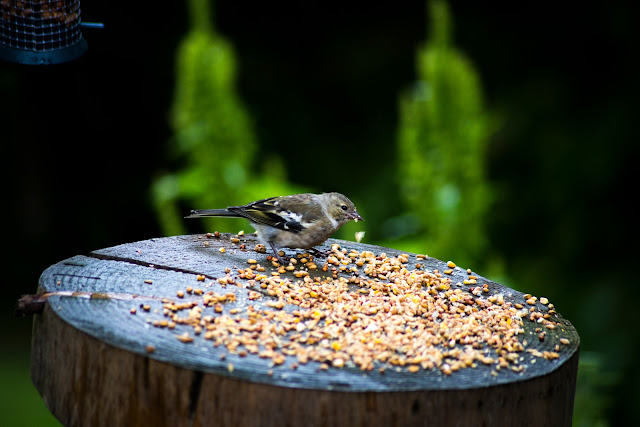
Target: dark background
point(82, 141)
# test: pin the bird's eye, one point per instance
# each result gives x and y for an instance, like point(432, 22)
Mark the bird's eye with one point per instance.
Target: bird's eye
point(344, 207)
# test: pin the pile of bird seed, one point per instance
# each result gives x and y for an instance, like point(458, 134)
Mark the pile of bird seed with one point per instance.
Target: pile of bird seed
point(384, 313)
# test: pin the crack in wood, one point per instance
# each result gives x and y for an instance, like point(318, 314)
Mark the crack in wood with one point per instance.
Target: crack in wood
point(75, 275)
point(34, 304)
point(194, 395)
point(105, 257)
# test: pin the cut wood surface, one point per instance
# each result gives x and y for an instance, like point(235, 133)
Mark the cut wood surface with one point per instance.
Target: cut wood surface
point(96, 363)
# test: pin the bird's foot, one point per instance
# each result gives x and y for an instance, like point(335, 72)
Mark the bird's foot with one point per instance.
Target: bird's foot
point(318, 253)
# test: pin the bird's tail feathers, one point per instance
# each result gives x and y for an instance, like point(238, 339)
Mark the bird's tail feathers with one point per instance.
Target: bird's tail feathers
point(199, 213)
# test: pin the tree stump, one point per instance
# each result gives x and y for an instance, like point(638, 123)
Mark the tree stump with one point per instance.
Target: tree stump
point(185, 331)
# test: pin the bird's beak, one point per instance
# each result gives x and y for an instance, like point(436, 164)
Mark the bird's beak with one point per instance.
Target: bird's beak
point(356, 217)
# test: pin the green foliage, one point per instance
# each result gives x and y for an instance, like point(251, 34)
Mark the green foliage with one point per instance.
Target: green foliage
point(213, 135)
point(593, 391)
point(20, 402)
point(442, 142)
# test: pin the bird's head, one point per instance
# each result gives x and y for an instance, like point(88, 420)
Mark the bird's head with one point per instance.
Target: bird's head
point(341, 209)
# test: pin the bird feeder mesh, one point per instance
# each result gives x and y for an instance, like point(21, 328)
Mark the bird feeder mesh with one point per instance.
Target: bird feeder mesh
point(39, 25)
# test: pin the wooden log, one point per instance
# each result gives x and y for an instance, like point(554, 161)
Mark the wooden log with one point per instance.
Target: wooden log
point(96, 363)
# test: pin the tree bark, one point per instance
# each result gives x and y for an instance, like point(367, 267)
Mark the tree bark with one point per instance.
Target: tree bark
point(95, 363)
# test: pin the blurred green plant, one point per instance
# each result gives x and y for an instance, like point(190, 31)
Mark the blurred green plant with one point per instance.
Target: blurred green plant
point(442, 142)
point(594, 387)
point(214, 141)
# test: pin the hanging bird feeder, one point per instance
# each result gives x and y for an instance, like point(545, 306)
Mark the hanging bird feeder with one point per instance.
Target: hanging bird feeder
point(41, 32)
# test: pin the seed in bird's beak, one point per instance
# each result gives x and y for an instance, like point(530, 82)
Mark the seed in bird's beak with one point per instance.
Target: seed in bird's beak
point(356, 217)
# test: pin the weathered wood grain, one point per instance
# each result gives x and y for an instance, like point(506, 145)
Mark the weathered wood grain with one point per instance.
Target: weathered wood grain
point(91, 365)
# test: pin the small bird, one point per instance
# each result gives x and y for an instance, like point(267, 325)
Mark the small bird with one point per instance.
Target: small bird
point(299, 221)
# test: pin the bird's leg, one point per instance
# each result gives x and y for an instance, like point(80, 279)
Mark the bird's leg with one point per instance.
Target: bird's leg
point(277, 255)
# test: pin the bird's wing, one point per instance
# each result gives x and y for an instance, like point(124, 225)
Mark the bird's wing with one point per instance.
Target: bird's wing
point(290, 213)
